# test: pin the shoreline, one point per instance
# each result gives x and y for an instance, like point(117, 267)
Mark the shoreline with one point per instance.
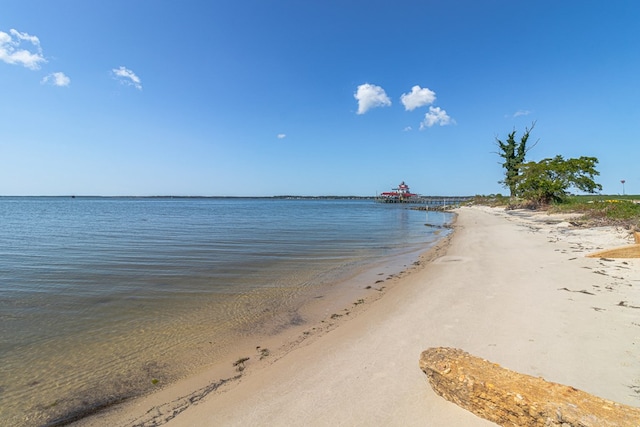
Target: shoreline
point(514, 288)
point(321, 311)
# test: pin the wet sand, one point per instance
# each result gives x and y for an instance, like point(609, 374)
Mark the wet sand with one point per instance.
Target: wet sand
point(514, 288)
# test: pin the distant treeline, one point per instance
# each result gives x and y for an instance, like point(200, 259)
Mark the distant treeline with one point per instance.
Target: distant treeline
point(213, 197)
point(325, 197)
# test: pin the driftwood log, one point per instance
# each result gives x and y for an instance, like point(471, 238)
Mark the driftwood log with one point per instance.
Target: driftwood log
point(629, 251)
point(509, 398)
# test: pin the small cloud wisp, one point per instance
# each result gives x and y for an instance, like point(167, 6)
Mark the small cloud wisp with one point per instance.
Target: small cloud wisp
point(127, 77)
point(57, 79)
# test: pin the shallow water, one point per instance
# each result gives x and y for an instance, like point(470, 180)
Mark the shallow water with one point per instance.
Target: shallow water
point(103, 297)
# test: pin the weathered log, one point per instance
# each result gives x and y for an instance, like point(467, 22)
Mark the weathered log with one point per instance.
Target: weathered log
point(508, 398)
point(629, 251)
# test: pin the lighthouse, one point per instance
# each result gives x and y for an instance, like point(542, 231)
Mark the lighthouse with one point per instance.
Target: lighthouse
point(402, 194)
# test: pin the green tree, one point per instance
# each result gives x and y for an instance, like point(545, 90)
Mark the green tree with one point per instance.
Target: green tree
point(550, 179)
point(514, 154)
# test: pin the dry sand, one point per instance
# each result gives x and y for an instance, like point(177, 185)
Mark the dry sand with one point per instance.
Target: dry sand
point(512, 287)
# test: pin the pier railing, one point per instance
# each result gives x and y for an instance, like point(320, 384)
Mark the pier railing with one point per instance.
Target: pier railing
point(426, 200)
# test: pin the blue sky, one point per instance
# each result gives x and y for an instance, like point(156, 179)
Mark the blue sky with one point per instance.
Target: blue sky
point(260, 98)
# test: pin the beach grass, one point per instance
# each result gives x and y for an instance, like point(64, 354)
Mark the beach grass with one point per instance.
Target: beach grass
point(593, 210)
point(603, 210)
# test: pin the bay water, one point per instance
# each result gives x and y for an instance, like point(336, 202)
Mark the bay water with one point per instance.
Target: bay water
point(103, 298)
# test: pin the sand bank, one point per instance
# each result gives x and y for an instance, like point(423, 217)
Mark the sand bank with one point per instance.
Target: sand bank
point(515, 288)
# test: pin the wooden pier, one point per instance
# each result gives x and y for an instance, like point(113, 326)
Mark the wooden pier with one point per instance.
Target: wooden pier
point(401, 194)
point(427, 201)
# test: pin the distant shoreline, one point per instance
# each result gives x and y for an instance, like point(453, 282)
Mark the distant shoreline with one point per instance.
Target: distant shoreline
point(281, 197)
point(199, 197)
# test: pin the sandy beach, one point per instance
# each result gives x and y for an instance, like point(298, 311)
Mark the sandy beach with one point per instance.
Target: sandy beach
point(512, 287)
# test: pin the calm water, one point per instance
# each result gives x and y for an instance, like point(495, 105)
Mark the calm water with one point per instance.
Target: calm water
point(100, 297)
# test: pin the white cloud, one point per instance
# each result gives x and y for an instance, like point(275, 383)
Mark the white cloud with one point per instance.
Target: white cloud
point(12, 52)
point(371, 96)
point(57, 79)
point(436, 115)
point(24, 36)
point(127, 77)
point(418, 97)
point(407, 129)
point(521, 113)
point(282, 136)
